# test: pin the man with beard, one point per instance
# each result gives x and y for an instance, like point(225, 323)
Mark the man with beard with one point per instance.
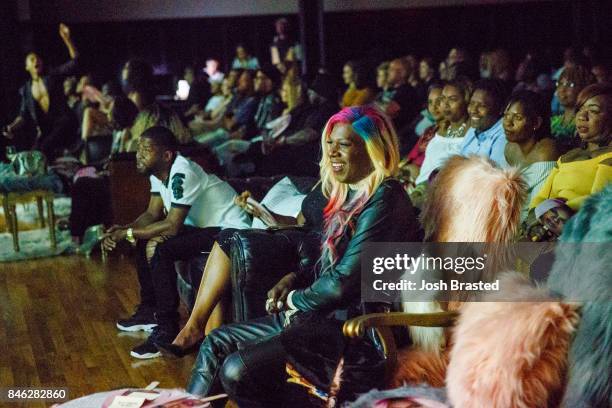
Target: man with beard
point(197, 207)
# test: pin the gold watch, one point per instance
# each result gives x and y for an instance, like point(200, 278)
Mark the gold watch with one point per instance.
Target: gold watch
point(129, 236)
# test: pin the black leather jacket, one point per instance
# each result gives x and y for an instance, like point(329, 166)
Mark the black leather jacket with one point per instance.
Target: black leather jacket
point(387, 217)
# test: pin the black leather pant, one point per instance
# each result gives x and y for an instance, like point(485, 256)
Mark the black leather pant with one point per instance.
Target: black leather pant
point(246, 359)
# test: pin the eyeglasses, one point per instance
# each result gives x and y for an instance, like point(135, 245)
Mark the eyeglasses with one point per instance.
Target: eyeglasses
point(565, 84)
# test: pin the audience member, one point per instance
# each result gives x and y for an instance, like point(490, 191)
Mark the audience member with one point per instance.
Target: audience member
point(122, 115)
point(284, 47)
point(268, 109)
point(500, 67)
point(427, 75)
point(197, 207)
point(212, 71)
point(296, 151)
point(240, 113)
point(266, 86)
point(215, 109)
point(199, 91)
point(214, 101)
point(427, 70)
point(484, 64)
point(457, 55)
point(398, 101)
point(94, 121)
point(530, 147)
point(359, 91)
point(359, 149)
point(464, 70)
point(382, 72)
point(532, 74)
point(552, 215)
point(72, 97)
point(156, 115)
point(571, 57)
point(413, 70)
point(43, 111)
point(447, 141)
point(437, 123)
point(486, 134)
point(426, 119)
point(244, 60)
point(602, 72)
point(137, 84)
point(571, 81)
point(585, 170)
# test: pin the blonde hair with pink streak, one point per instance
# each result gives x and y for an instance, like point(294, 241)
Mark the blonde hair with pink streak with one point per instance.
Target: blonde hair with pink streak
point(377, 131)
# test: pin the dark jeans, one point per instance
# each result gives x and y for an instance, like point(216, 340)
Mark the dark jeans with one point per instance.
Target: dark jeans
point(158, 289)
point(247, 360)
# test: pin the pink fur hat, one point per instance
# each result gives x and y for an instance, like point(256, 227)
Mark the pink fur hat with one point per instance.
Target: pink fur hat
point(511, 354)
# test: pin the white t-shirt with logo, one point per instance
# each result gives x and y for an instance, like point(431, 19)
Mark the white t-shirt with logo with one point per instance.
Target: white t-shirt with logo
point(209, 199)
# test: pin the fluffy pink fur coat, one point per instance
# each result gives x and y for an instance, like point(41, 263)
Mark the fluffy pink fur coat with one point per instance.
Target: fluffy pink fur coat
point(471, 200)
point(511, 354)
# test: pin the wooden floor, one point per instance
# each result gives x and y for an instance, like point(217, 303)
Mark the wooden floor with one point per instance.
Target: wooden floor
point(57, 328)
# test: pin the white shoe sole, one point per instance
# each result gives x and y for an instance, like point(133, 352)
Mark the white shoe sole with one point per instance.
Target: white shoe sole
point(138, 327)
point(145, 356)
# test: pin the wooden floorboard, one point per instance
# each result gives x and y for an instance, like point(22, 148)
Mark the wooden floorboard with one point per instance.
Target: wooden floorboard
point(57, 328)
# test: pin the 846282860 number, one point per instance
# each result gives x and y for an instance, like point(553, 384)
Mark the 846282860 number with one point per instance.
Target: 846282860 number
point(32, 393)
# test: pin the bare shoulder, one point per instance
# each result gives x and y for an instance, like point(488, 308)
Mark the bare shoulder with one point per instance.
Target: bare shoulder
point(546, 150)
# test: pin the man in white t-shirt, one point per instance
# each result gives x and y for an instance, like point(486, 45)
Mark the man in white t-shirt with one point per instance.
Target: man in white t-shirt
point(187, 210)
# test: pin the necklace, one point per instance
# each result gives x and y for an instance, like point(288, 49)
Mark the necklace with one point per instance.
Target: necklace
point(452, 133)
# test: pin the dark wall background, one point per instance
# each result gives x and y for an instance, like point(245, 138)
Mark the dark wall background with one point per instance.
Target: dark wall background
point(375, 34)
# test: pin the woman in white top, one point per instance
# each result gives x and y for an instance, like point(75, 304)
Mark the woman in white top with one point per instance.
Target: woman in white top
point(453, 103)
point(530, 147)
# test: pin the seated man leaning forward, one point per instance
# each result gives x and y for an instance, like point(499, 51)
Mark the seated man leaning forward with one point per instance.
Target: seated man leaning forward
point(197, 207)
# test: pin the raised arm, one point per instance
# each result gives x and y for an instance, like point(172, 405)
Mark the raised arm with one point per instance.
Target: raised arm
point(64, 33)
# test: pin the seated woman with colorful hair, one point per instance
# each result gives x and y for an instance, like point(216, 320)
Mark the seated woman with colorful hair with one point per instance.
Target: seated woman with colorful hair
point(588, 169)
point(307, 309)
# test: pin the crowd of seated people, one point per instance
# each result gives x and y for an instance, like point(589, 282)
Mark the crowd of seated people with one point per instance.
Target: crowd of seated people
point(375, 148)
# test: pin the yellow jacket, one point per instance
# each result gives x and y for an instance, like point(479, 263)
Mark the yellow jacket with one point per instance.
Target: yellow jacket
point(578, 174)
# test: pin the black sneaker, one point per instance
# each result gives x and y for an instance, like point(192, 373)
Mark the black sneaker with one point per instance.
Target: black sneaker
point(148, 349)
point(143, 319)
